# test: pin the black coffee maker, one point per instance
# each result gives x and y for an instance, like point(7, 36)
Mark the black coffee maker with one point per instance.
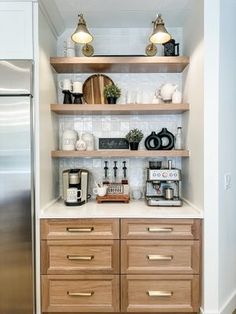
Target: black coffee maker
point(75, 186)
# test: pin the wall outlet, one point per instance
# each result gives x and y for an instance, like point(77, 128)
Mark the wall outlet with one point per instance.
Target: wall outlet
point(227, 181)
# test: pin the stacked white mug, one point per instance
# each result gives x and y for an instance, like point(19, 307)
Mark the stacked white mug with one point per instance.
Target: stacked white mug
point(69, 48)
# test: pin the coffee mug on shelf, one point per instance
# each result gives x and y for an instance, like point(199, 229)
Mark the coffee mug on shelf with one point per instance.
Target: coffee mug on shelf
point(69, 52)
point(73, 195)
point(65, 85)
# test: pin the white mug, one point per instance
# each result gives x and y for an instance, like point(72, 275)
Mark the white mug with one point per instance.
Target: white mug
point(65, 84)
point(70, 52)
point(77, 87)
point(73, 195)
point(69, 43)
point(100, 190)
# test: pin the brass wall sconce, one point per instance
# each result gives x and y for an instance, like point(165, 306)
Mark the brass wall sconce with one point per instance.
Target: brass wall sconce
point(82, 36)
point(159, 36)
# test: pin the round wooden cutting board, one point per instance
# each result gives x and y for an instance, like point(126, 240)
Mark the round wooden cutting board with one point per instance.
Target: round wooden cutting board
point(93, 88)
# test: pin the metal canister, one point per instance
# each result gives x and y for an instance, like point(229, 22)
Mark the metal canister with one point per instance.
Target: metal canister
point(169, 194)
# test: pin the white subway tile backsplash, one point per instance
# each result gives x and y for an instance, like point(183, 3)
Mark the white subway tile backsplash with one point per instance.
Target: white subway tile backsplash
point(142, 86)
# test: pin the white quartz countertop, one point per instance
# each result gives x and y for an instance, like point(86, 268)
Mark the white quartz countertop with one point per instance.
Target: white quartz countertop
point(134, 209)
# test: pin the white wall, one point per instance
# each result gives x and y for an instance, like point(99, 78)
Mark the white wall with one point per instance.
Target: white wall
point(220, 156)
point(48, 123)
point(227, 158)
point(211, 204)
point(193, 168)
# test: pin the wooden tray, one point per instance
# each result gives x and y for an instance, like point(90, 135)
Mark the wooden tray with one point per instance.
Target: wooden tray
point(123, 198)
point(93, 88)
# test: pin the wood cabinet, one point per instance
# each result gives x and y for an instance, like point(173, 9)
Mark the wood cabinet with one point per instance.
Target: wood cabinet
point(83, 256)
point(80, 293)
point(159, 256)
point(71, 229)
point(120, 265)
point(163, 293)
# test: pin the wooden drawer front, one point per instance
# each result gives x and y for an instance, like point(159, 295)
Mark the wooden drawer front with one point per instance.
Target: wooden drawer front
point(80, 293)
point(53, 229)
point(76, 256)
point(173, 293)
point(160, 229)
point(156, 256)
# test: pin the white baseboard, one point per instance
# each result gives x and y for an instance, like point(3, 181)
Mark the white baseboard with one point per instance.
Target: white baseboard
point(228, 307)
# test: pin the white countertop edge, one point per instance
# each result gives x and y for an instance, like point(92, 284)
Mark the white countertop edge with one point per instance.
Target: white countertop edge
point(135, 209)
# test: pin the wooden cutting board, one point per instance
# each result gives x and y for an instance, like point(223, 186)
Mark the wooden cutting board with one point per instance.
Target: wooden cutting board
point(93, 89)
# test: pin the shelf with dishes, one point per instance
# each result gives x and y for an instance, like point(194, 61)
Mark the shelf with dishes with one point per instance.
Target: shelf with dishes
point(129, 64)
point(120, 153)
point(119, 109)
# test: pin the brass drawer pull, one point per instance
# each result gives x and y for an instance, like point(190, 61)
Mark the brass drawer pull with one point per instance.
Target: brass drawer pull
point(159, 293)
point(159, 229)
point(90, 229)
point(159, 257)
point(80, 294)
point(80, 258)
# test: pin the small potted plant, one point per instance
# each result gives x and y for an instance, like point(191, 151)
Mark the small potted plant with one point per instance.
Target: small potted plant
point(134, 137)
point(112, 93)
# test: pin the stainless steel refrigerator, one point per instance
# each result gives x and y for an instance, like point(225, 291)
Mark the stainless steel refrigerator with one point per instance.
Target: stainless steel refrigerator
point(16, 189)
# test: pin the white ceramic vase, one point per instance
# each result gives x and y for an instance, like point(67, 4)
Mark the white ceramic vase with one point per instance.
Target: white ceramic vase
point(88, 138)
point(69, 138)
point(177, 97)
point(80, 144)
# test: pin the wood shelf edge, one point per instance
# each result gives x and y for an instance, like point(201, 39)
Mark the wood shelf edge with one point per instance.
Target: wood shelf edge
point(120, 153)
point(67, 109)
point(129, 64)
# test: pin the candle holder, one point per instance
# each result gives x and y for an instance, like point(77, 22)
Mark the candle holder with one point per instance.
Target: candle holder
point(78, 98)
point(67, 97)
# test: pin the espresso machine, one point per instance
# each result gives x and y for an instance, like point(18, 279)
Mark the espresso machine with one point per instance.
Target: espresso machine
point(75, 186)
point(163, 186)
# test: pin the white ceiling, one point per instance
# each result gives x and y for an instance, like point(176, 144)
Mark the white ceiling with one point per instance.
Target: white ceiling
point(116, 13)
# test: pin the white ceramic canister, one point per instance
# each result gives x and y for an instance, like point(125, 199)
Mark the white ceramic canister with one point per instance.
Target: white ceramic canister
point(69, 138)
point(89, 140)
point(78, 87)
point(66, 84)
point(80, 144)
point(177, 97)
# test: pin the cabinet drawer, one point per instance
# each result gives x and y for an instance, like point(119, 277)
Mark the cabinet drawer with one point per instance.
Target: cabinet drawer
point(160, 229)
point(53, 229)
point(80, 293)
point(79, 256)
point(163, 293)
point(157, 256)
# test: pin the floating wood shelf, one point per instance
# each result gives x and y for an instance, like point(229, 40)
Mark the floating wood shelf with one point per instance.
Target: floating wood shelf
point(120, 153)
point(119, 64)
point(119, 109)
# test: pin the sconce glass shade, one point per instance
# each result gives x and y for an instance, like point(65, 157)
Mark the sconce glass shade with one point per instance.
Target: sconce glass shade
point(81, 35)
point(160, 34)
